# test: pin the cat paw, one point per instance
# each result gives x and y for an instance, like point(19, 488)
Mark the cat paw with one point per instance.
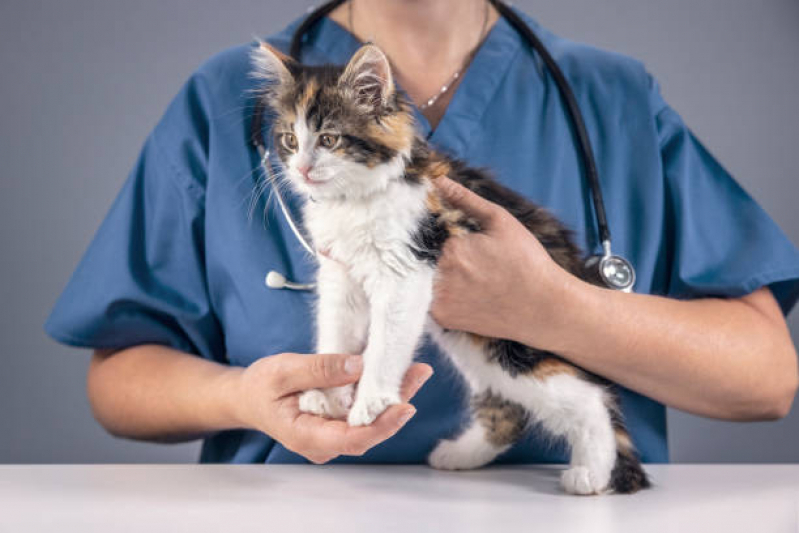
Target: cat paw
point(367, 407)
point(581, 480)
point(455, 455)
point(314, 402)
point(340, 400)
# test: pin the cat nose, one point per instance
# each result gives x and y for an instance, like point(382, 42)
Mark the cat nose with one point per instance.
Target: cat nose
point(304, 170)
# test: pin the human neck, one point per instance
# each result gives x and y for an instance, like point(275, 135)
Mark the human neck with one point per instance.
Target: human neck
point(426, 40)
point(419, 30)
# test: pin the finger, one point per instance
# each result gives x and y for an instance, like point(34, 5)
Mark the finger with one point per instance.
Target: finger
point(339, 438)
point(463, 198)
point(416, 376)
point(300, 372)
point(360, 439)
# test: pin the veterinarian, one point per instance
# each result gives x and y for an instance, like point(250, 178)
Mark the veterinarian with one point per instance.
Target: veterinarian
point(189, 342)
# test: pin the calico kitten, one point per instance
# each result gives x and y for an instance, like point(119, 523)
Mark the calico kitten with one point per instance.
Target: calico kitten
point(348, 144)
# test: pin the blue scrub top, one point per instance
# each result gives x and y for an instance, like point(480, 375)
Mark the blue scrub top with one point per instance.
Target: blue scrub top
point(179, 261)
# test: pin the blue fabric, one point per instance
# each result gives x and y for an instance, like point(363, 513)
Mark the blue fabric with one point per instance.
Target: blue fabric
point(179, 261)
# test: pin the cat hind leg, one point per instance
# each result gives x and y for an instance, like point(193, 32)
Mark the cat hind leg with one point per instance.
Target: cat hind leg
point(496, 425)
point(576, 409)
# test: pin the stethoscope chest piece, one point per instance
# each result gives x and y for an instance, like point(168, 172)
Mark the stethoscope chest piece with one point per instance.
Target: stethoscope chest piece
point(616, 272)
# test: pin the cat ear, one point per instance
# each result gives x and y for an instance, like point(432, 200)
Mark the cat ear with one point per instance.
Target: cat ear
point(368, 77)
point(271, 64)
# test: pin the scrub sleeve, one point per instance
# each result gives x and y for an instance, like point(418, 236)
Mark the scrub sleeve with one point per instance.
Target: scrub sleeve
point(142, 279)
point(720, 241)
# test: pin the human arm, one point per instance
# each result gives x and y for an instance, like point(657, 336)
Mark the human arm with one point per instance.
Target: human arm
point(726, 358)
point(154, 392)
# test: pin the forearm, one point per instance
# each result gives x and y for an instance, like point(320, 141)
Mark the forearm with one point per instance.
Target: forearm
point(725, 358)
point(157, 393)
point(713, 357)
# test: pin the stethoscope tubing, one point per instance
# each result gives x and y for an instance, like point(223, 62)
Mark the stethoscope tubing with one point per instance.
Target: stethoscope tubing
point(615, 271)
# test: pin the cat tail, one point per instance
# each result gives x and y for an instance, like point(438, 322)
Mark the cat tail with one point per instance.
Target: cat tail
point(628, 475)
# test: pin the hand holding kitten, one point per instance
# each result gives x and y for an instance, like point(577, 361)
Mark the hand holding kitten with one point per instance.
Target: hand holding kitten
point(268, 402)
point(500, 281)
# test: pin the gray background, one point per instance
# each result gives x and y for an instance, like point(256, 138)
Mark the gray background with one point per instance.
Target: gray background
point(82, 82)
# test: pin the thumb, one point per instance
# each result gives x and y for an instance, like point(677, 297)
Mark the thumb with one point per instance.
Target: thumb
point(463, 198)
point(300, 372)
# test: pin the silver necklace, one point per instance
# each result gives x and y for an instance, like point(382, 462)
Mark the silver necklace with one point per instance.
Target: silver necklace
point(451, 81)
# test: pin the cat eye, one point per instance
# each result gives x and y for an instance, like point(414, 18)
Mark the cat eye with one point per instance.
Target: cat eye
point(289, 140)
point(328, 141)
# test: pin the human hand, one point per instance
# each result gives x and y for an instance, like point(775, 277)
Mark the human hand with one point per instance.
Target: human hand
point(500, 282)
point(268, 401)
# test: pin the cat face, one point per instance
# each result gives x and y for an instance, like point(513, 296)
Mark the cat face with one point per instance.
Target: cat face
point(339, 132)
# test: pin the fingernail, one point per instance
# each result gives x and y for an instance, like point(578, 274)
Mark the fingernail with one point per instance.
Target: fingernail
point(421, 380)
point(353, 364)
point(406, 416)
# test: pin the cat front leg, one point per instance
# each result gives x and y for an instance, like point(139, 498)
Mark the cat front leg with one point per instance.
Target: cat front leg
point(342, 320)
point(398, 310)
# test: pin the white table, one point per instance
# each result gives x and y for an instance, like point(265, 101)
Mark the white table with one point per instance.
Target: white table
point(387, 499)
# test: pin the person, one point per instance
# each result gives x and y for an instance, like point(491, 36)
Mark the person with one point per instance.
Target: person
point(189, 343)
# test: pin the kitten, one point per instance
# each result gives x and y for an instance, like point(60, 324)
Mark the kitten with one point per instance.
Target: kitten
point(348, 144)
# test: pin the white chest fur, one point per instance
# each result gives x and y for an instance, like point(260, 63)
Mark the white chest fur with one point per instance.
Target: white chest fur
point(369, 234)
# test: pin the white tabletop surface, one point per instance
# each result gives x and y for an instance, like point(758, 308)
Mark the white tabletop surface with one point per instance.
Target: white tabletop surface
point(386, 499)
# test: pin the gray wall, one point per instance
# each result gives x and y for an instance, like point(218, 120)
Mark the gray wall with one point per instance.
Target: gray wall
point(83, 81)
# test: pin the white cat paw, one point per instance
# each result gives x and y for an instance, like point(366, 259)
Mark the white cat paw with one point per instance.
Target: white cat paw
point(340, 400)
point(456, 455)
point(582, 481)
point(367, 407)
point(314, 402)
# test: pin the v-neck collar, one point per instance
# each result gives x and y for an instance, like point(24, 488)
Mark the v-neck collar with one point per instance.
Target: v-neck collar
point(473, 94)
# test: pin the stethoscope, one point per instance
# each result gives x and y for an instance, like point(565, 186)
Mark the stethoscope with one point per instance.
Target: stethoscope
point(614, 271)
